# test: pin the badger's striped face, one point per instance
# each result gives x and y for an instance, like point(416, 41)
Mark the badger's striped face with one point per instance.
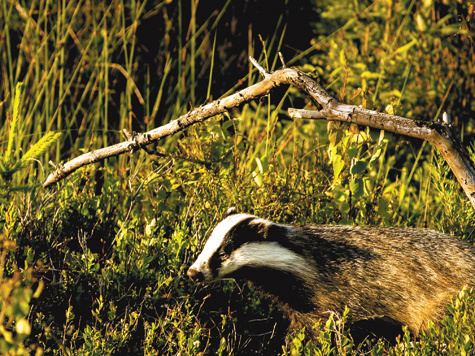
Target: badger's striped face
point(243, 240)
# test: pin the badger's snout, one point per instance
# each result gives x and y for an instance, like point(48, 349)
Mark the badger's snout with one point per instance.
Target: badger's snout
point(195, 275)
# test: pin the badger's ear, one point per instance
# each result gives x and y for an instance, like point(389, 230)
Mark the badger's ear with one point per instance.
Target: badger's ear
point(232, 210)
point(274, 232)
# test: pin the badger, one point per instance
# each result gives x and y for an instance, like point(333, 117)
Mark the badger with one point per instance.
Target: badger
point(385, 276)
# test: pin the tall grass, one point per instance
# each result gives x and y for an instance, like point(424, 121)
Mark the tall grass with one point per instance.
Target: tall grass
point(84, 77)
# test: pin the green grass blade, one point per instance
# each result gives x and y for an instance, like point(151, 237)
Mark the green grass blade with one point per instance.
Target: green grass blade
point(15, 120)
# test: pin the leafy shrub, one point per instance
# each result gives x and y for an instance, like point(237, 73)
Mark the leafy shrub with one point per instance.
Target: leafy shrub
point(17, 289)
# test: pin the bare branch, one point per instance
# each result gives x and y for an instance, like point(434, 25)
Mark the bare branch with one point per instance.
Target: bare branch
point(135, 142)
point(374, 119)
point(261, 69)
point(281, 56)
point(441, 134)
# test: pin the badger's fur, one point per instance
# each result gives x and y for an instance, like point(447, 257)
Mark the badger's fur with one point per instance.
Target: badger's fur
point(400, 276)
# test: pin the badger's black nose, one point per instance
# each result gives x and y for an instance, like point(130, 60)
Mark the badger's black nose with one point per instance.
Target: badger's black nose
point(195, 275)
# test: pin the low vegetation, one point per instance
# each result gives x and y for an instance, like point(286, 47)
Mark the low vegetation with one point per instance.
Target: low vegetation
point(97, 265)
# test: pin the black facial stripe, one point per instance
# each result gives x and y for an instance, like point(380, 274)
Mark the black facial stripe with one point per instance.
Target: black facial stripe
point(214, 263)
point(241, 233)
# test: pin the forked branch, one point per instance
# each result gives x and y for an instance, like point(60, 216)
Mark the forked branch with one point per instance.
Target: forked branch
point(441, 134)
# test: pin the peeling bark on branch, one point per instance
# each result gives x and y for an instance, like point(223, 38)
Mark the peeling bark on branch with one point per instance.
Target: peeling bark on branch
point(441, 134)
point(137, 141)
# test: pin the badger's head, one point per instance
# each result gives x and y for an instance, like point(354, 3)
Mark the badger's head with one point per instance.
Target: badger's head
point(243, 242)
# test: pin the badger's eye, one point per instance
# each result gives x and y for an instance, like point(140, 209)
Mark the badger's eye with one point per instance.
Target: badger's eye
point(223, 255)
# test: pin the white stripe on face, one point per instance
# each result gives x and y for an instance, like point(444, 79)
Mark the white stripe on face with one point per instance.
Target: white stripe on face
point(266, 254)
point(215, 241)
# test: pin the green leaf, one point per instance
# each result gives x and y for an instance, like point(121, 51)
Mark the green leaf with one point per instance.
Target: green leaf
point(357, 187)
point(241, 146)
point(227, 124)
point(23, 328)
point(376, 153)
point(406, 47)
point(335, 136)
point(370, 75)
point(352, 151)
point(14, 124)
point(338, 165)
point(257, 178)
point(358, 167)
point(259, 165)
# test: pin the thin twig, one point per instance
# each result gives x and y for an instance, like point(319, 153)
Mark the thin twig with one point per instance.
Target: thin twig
point(281, 56)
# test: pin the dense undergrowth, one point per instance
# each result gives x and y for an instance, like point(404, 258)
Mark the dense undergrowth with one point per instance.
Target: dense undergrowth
point(96, 265)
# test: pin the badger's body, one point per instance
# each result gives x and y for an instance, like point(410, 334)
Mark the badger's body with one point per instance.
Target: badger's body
point(404, 276)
